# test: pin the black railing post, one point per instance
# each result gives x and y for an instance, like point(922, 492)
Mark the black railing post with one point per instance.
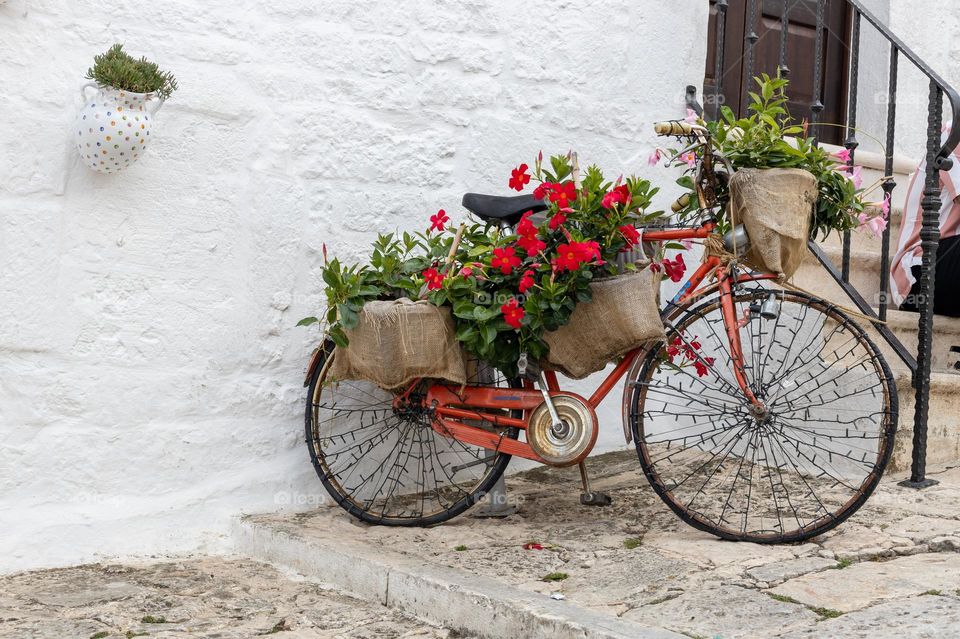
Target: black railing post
point(817, 107)
point(929, 241)
point(851, 142)
point(888, 184)
point(751, 40)
point(784, 33)
point(718, 57)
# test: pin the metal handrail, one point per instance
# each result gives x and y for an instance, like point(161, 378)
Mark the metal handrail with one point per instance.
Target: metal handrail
point(954, 139)
point(939, 156)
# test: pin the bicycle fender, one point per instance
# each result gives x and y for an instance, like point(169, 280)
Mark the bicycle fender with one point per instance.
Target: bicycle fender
point(312, 365)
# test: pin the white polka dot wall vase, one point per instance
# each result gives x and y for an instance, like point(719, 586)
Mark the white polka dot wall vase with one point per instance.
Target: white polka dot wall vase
point(115, 125)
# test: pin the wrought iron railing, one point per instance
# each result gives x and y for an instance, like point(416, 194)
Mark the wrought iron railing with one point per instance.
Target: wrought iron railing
point(938, 158)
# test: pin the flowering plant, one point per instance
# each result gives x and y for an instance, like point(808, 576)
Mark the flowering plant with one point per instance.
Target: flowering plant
point(769, 138)
point(505, 289)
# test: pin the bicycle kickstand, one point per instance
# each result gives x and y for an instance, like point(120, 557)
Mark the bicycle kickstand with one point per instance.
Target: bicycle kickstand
point(589, 497)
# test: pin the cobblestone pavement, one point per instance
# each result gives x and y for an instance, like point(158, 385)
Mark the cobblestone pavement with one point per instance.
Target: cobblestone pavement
point(892, 570)
point(222, 598)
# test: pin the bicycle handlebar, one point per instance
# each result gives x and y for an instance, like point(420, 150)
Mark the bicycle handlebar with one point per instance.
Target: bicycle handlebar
point(680, 203)
point(676, 127)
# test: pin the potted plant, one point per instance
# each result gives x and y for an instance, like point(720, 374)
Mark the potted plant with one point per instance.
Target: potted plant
point(785, 188)
point(511, 293)
point(113, 127)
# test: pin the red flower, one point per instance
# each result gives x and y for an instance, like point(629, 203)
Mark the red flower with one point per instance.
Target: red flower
point(433, 278)
point(531, 244)
point(505, 259)
point(466, 271)
point(563, 194)
point(558, 219)
point(437, 221)
point(701, 367)
point(541, 191)
point(513, 313)
point(526, 281)
point(528, 235)
point(619, 195)
point(526, 226)
point(532, 546)
point(519, 177)
point(571, 256)
point(675, 269)
point(630, 234)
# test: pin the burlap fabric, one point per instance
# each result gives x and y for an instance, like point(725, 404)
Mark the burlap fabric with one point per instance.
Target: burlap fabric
point(398, 341)
point(775, 205)
point(622, 315)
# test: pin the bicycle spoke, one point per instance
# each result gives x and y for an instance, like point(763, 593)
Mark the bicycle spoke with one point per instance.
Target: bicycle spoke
point(385, 462)
point(791, 468)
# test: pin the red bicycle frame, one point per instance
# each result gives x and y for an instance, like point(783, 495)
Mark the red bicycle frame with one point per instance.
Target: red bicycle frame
point(454, 404)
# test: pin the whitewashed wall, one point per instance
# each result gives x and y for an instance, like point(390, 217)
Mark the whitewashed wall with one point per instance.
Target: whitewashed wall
point(150, 370)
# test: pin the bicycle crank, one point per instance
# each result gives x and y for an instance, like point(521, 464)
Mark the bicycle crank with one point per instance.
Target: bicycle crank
point(565, 442)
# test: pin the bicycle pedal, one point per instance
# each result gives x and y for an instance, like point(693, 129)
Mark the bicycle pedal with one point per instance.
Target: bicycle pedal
point(595, 499)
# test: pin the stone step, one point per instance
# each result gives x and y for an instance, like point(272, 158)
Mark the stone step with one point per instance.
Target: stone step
point(873, 169)
point(864, 275)
point(946, 333)
point(943, 421)
point(865, 241)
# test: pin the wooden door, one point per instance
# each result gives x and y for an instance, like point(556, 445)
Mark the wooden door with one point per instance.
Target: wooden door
point(800, 58)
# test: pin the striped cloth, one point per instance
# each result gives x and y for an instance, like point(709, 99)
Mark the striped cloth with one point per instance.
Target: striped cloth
point(909, 252)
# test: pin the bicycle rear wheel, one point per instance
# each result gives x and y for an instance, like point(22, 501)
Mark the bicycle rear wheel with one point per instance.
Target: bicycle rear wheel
point(386, 465)
point(790, 474)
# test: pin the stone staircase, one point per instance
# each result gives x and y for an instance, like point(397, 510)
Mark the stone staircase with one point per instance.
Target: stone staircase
point(943, 428)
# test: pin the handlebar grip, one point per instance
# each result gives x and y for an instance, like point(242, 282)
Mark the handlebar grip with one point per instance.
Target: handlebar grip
point(673, 127)
point(680, 203)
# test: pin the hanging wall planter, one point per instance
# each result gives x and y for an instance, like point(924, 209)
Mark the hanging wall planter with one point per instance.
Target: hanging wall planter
point(114, 126)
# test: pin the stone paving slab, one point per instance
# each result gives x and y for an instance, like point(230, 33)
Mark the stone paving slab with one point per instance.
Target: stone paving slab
point(927, 617)
point(636, 561)
point(200, 598)
point(865, 584)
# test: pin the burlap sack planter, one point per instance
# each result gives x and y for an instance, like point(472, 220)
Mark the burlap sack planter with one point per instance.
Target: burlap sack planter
point(622, 315)
point(398, 341)
point(775, 205)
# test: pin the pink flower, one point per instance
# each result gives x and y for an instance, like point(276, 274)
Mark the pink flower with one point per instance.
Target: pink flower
point(690, 158)
point(843, 155)
point(875, 224)
point(885, 207)
point(691, 116)
point(655, 157)
point(687, 244)
point(857, 177)
point(854, 174)
point(466, 271)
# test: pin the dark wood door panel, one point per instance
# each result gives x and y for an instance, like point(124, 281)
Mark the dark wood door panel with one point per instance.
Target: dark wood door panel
point(800, 57)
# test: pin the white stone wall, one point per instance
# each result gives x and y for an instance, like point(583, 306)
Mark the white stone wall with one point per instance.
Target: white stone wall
point(150, 370)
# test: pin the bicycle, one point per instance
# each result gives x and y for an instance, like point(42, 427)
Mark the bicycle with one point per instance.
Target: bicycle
point(774, 428)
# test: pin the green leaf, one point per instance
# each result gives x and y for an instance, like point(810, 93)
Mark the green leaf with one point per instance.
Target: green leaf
point(339, 337)
point(348, 317)
point(307, 321)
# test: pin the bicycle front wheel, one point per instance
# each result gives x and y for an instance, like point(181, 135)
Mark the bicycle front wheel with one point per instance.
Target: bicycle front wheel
point(786, 474)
